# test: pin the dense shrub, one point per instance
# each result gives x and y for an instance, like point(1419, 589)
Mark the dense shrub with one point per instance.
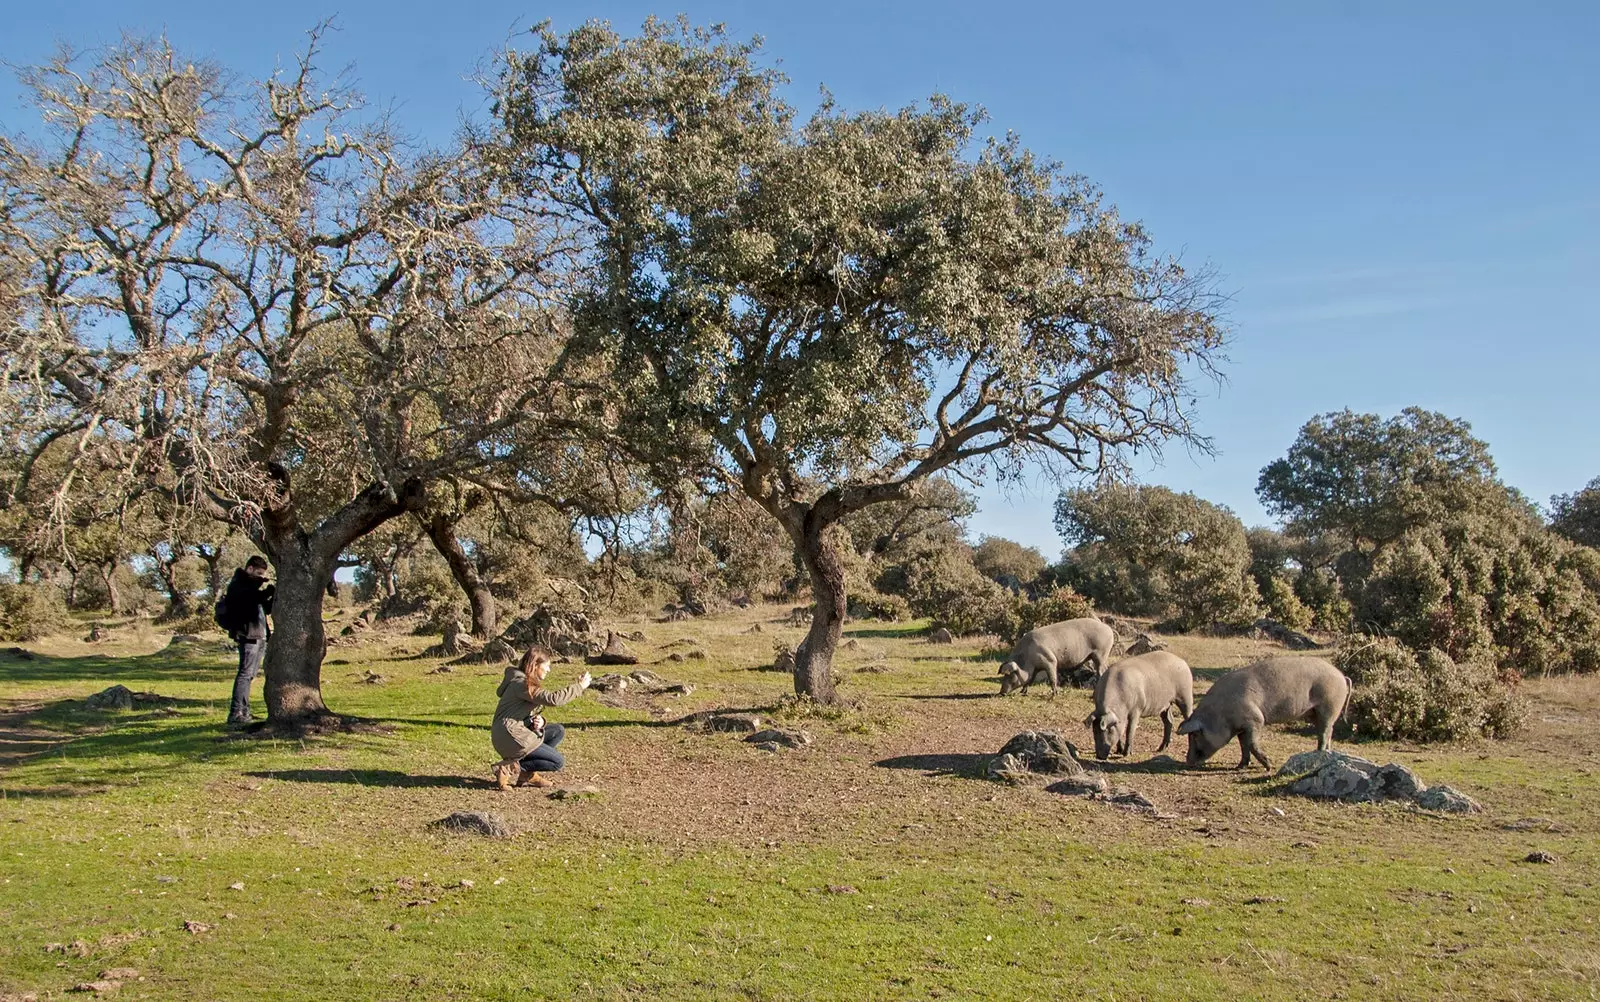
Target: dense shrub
point(30, 611)
point(1056, 606)
point(1489, 579)
point(1151, 550)
point(945, 586)
point(872, 604)
point(1427, 696)
point(1008, 562)
point(1284, 605)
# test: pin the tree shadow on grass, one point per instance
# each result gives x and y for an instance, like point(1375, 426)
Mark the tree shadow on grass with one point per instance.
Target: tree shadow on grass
point(373, 777)
point(945, 695)
point(939, 764)
point(182, 664)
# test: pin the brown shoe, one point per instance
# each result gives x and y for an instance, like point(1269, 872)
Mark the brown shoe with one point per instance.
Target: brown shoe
point(533, 779)
point(504, 774)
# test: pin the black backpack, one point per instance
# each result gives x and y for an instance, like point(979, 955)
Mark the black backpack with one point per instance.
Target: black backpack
point(222, 615)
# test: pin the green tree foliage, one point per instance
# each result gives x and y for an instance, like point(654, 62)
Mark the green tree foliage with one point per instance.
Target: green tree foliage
point(825, 313)
point(29, 611)
point(1490, 584)
point(1405, 520)
point(1008, 562)
point(1577, 515)
point(254, 299)
point(1367, 480)
point(1160, 552)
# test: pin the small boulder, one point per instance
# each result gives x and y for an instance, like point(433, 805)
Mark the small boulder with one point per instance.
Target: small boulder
point(1046, 753)
point(475, 822)
point(1448, 800)
point(1088, 784)
point(710, 721)
point(609, 683)
point(941, 636)
point(1341, 780)
point(118, 697)
point(778, 737)
point(1144, 643)
point(615, 653)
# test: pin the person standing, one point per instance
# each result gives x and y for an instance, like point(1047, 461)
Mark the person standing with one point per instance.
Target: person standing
point(519, 733)
point(246, 605)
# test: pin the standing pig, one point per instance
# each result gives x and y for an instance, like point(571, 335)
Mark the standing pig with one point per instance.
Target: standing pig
point(1141, 686)
point(1047, 650)
point(1274, 691)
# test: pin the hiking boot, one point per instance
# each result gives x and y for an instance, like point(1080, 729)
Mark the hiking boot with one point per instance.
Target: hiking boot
point(504, 774)
point(533, 779)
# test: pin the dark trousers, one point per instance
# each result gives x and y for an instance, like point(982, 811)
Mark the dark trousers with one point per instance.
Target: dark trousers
point(250, 654)
point(545, 758)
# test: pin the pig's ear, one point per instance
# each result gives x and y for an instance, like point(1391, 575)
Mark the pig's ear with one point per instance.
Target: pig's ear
point(1089, 720)
point(1189, 726)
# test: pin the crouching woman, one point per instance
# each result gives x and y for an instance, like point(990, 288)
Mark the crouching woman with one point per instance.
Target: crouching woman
point(525, 743)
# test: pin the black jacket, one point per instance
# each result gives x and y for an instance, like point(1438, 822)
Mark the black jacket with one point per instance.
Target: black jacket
point(248, 600)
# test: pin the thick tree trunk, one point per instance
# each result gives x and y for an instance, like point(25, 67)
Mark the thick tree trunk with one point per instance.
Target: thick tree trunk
point(479, 598)
point(180, 604)
point(213, 559)
point(813, 666)
point(304, 564)
point(293, 686)
point(108, 575)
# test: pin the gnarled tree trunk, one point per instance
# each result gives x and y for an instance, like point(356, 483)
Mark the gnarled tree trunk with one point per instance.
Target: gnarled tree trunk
point(213, 557)
point(442, 532)
point(304, 563)
point(813, 666)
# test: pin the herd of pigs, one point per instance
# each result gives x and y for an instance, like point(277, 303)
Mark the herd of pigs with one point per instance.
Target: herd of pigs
point(1240, 703)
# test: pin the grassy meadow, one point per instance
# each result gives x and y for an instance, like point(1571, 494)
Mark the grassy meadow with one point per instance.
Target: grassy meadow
point(874, 864)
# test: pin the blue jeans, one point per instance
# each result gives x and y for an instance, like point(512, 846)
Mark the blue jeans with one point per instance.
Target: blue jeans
point(545, 758)
point(250, 655)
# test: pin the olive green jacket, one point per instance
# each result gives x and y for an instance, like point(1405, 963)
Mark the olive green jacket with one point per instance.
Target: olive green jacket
point(513, 738)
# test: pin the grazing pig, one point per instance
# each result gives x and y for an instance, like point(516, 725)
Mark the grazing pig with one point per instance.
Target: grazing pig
point(1048, 650)
point(1135, 687)
point(1274, 691)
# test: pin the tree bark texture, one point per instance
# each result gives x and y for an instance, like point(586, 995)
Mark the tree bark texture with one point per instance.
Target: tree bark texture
point(479, 598)
point(304, 563)
point(813, 666)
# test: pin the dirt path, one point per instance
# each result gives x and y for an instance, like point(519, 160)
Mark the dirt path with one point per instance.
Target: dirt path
point(20, 740)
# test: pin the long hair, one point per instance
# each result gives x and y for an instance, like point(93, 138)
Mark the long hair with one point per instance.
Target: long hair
point(533, 657)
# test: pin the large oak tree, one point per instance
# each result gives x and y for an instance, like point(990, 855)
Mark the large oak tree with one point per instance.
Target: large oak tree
point(261, 301)
point(824, 312)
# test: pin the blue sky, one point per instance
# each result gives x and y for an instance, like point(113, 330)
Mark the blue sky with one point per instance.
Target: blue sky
point(1402, 200)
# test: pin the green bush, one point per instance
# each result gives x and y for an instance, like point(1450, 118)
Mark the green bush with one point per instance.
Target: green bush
point(1056, 606)
point(1285, 606)
point(30, 611)
point(870, 604)
point(945, 586)
point(1427, 696)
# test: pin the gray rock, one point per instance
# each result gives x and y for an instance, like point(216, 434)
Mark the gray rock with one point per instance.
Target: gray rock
point(1396, 782)
point(1144, 643)
point(1087, 784)
point(941, 636)
point(1044, 752)
point(118, 697)
point(476, 823)
point(1008, 768)
point(1310, 761)
point(780, 738)
point(1336, 781)
point(731, 723)
point(609, 683)
point(1333, 775)
point(1451, 801)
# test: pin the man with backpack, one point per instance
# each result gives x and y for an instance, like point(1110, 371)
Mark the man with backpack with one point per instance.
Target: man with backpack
point(242, 612)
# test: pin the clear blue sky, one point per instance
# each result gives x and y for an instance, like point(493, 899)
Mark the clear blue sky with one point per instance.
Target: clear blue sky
point(1402, 199)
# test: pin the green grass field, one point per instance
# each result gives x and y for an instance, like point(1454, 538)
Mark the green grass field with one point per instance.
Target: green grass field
point(874, 864)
